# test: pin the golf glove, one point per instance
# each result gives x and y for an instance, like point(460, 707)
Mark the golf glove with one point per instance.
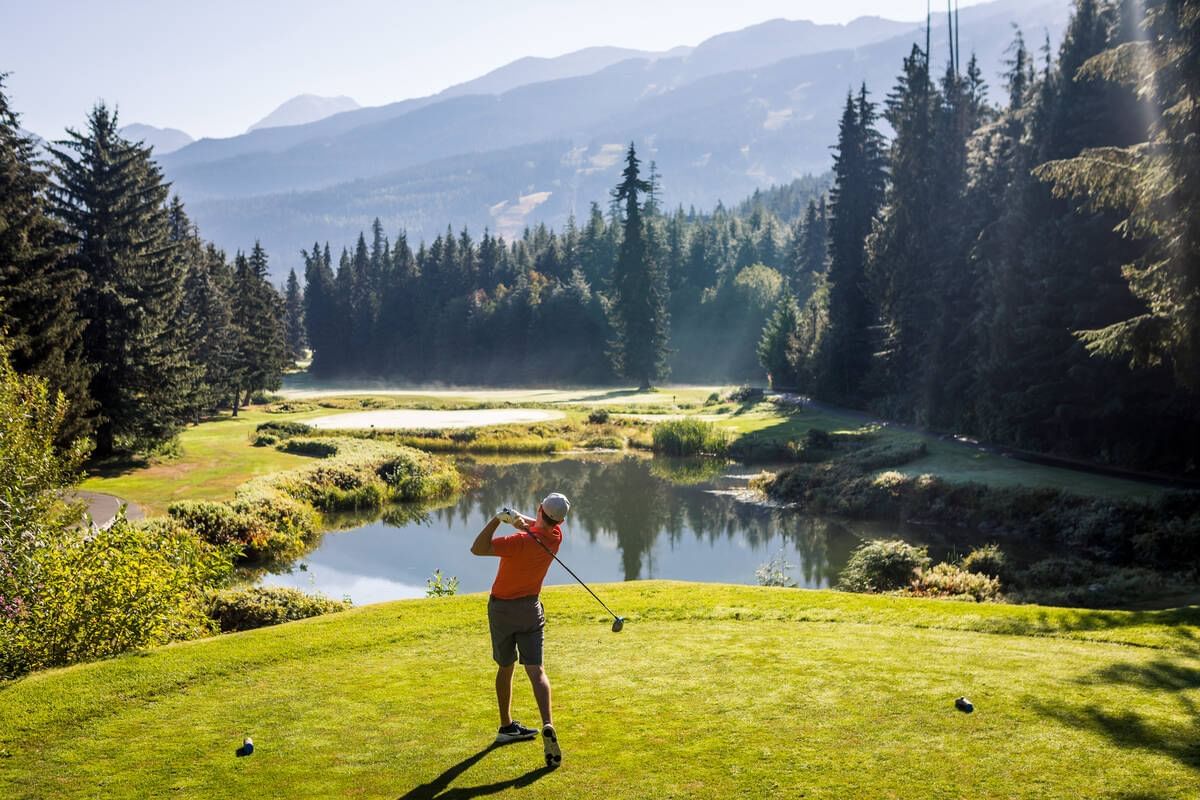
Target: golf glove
point(507, 516)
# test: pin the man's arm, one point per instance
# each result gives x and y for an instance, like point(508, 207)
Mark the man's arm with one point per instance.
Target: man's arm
point(482, 546)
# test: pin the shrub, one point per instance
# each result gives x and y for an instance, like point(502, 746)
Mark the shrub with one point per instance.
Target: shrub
point(438, 585)
point(260, 606)
point(265, 440)
point(775, 572)
point(317, 448)
point(713, 399)
point(746, 394)
point(882, 566)
point(214, 522)
point(688, 437)
point(413, 475)
point(1060, 572)
point(987, 560)
point(598, 417)
point(284, 429)
point(606, 442)
point(1093, 584)
point(107, 591)
point(753, 447)
point(291, 407)
point(951, 582)
point(817, 438)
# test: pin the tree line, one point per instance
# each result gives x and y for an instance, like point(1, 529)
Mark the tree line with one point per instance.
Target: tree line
point(108, 292)
point(1029, 274)
point(634, 292)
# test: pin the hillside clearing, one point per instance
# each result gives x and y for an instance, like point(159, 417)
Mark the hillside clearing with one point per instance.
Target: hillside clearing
point(710, 691)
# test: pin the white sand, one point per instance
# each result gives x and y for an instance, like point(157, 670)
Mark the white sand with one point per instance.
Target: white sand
point(407, 419)
point(579, 396)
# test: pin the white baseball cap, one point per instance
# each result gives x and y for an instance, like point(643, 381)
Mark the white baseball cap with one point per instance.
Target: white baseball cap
point(556, 506)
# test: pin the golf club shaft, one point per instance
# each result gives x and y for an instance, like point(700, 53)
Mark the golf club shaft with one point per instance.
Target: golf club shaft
point(573, 575)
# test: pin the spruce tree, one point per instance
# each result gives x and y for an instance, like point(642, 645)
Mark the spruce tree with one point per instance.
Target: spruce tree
point(294, 317)
point(320, 310)
point(778, 350)
point(111, 200)
point(38, 283)
point(258, 317)
point(1154, 184)
point(640, 302)
point(199, 317)
point(855, 199)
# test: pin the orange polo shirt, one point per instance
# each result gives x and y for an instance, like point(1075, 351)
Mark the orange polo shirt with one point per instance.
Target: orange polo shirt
point(523, 563)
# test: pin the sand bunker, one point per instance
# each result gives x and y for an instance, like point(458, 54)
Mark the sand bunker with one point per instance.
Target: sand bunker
point(427, 420)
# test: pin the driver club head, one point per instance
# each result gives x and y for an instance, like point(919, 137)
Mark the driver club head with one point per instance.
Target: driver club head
point(618, 623)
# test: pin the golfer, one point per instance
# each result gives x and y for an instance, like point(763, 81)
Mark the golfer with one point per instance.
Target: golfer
point(516, 616)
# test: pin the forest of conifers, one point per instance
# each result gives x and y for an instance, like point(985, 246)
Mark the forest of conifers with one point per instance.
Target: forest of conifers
point(1026, 273)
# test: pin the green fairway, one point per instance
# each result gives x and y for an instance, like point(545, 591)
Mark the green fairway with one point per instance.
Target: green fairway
point(710, 691)
point(215, 457)
point(949, 460)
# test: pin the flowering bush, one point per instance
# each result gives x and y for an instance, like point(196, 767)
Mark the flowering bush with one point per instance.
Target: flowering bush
point(954, 583)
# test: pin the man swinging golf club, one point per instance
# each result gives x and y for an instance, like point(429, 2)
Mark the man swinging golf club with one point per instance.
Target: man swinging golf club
point(515, 614)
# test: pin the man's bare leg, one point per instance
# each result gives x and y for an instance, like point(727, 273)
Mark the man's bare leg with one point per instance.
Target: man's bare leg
point(541, 690)
point(504, 676)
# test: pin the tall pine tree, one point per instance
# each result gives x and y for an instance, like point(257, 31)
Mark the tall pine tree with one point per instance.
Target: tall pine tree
point(640, 288)
point(38, 285)
point(859, 178)
point(111, 199)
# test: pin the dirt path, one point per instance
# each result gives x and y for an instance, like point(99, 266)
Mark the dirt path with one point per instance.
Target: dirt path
point(102, 508)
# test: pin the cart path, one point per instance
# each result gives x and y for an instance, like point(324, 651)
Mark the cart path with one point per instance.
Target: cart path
point(102, 508)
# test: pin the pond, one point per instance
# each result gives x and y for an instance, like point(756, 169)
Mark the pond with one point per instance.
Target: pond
point(632, 518)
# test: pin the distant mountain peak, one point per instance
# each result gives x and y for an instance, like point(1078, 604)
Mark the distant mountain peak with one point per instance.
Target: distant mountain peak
point(163, 140)
point(303, 109)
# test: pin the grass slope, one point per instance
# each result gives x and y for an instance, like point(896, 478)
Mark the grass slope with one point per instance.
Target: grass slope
point(215, 457)
point(710, 691)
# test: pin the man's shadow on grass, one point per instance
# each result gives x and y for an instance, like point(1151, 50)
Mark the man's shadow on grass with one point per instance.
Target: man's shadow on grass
point(438, 788)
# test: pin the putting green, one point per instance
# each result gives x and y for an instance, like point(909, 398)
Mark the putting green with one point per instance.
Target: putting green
point(710, 691)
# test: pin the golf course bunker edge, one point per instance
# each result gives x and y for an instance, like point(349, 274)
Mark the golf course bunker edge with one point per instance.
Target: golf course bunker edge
point(428, 419)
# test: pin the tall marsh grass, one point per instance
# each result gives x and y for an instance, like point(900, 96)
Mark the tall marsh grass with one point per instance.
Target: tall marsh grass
point(689, 437)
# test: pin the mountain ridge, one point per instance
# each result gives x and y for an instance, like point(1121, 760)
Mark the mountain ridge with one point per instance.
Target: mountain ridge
point(303, 109)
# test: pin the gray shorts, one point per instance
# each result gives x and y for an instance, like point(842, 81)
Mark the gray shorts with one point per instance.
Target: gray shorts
point(516, 625)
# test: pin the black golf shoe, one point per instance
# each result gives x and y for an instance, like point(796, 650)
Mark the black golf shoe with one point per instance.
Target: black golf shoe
point(514, 732)
point(550, 745)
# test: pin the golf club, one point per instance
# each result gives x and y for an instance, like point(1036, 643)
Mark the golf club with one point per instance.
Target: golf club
point(618, 622)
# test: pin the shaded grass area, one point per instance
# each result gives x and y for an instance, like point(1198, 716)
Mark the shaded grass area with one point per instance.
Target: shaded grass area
point(710, 691)
point(951, 461)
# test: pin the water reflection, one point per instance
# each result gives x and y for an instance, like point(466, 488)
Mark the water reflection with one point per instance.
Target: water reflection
point(632, 518)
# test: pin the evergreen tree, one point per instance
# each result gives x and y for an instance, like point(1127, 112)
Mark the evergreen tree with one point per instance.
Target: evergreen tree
point(778, 350)
point(294, 317)
point(857, 193)
point(640, 302)
point(902, 250)
point(111, 199)
point(320, 310)
point(38, 284)
point(201, 319)
point(258, 318)
point(1154, 184)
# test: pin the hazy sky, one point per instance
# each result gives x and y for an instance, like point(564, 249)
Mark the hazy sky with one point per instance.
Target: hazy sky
point(214, 67)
